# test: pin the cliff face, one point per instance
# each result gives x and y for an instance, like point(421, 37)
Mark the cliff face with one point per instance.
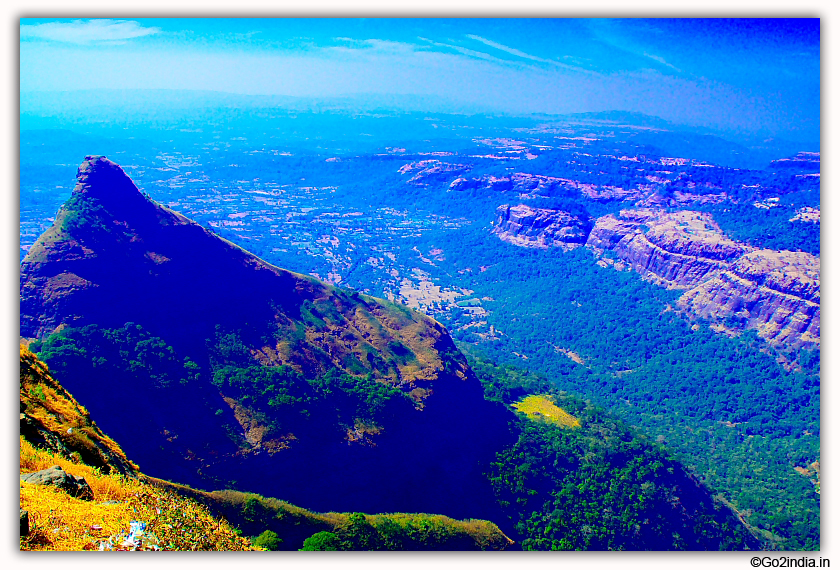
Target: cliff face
point(113, 257)
point(425, 172)
point(541, 185)
point(652, 193)
point(528, 226)
point(676, 250)
point(776, 293)
point(803, 162)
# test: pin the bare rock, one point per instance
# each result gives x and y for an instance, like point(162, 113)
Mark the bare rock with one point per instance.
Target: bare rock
point(74, 485)
point(24, 522)
point(776, 293)
point(528, 226)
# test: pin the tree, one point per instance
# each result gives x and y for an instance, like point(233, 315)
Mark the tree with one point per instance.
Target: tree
point(321, 541)
point(268, 540)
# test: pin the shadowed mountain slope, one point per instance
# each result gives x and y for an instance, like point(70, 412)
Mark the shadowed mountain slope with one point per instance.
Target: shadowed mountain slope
point(366, 405)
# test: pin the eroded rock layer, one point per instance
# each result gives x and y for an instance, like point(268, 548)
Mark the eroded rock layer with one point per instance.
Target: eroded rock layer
point(776, 293)
point(529, 226)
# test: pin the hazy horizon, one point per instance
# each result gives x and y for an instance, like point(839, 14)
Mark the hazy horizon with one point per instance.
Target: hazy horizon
point(748, 77)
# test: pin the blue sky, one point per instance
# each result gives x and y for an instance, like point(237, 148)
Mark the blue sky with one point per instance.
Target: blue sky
point(747, 76)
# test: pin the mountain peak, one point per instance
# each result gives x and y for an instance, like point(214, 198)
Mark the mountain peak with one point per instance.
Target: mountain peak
point(103, 179)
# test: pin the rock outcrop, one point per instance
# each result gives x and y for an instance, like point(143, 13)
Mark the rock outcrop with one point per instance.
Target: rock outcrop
point(802, 161)
point(776, 293)
point(432, 171)
point(676, 250)
point(529, 226)
point(73, 485)
point(740, 287)
point(539, 185)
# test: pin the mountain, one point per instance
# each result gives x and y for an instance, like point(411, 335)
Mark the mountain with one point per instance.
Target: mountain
point(367, 405)
point(59, 436)
point(722, 147)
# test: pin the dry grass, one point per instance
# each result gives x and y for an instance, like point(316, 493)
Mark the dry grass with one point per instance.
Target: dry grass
point(61, 522)
point(542, 408)
point(485, 534)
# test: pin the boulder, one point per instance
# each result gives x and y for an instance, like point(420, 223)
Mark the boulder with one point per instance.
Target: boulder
point(74, 485)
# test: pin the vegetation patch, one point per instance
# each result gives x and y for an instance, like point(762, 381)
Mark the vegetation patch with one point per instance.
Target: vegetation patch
point(542, 408)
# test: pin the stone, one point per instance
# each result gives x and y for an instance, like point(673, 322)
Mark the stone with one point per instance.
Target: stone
point(74, 485)
point(775, 293)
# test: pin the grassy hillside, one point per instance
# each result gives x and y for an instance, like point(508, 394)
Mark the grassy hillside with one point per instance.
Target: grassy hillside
point(59, 521)
point(255, 515)
point(57, 430)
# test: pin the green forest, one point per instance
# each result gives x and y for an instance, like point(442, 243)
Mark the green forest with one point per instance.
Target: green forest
point(599, 486)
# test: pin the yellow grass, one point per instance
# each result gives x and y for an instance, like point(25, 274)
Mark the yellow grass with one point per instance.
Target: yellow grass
point(61, 522)
point(542, 408)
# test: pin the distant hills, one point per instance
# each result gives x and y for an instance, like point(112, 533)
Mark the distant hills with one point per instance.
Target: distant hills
point(99, 108)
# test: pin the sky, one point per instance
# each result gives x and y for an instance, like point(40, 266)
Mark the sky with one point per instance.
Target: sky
point(750, 76)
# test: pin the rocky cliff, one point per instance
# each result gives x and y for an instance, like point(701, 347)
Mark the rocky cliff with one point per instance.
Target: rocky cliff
point(739, 287)
point(676, 250)
point(529, 226)
point(651, 193)
point(776, 293)
point(432, 171)
point(524, 183)
point(802, 161)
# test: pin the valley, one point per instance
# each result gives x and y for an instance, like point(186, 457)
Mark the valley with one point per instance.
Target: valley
point(613, 269)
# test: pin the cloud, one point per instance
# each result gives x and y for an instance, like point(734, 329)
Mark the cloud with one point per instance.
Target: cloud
point(507, 49)
point(617, 35)
point(86, 31)
point(373, 45)
point(661, 60)
point(522, 54)
point(465, 51)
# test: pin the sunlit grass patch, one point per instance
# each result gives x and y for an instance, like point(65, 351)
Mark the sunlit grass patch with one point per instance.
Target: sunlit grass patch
point(541, 407)
point(61, 522)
